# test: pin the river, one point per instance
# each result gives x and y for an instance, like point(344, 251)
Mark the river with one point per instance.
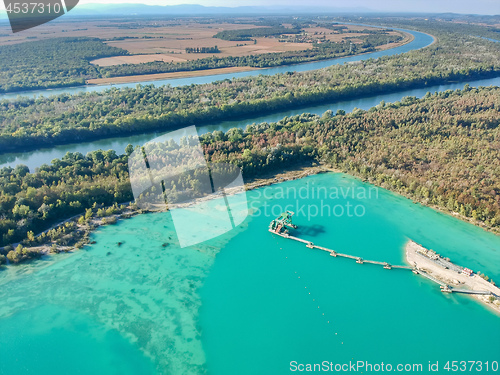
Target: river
point(38, 157)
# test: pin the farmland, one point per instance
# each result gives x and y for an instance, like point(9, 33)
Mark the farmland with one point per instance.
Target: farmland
point(170, 47)
point(178, 47)
point(167, 40)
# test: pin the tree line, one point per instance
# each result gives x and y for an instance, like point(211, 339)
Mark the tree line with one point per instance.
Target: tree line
point(320, 51)
point(203, 50)
point(64, 62)
point(31, 123)
point(249, 34)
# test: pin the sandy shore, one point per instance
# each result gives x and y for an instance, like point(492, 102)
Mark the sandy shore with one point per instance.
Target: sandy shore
point(85, 230)
point(287, 175)
point(254, 183)
point(452, 276)
point(160, 76)
point(407, 39)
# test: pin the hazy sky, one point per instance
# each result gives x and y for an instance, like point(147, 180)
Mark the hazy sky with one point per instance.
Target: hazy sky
point(431, 6)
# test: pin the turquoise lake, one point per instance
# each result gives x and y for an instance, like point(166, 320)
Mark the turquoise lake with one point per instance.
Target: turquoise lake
point(250, 302)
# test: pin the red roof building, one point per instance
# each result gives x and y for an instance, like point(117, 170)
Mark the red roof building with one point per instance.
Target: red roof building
point(467, 271)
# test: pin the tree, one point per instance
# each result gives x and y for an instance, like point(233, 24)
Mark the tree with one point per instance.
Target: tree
point(21, 170)
point(129, 149)
point(327, 115)
point(31, 236)
point(20, 211)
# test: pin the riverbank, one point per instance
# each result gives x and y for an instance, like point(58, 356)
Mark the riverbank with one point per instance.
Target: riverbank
point(172, 75)
point(407, 38)
point(37, 157)
point(425, 202)
point(80, 235)
point(141, 78)
point(454, 276)
point(420, 40)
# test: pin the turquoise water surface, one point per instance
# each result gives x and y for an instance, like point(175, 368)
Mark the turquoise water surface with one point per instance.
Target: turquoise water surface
point(250, 302)
point(269, 301)
point(51, 340)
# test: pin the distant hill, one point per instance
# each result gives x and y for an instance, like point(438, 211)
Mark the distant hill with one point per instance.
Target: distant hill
point(193, 9)
point(106, 10)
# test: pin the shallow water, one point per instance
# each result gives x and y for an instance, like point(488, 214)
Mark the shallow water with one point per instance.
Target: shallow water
point(49, 339)
point(249, 302)
point(141, 295)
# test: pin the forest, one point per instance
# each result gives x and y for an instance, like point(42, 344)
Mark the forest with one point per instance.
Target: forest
point(248, 34)
point(51, 63)
point(319, 52)
point(478, 26)
point(265, 60)
point(442, 150)
point(65, 62)
point(32, 123)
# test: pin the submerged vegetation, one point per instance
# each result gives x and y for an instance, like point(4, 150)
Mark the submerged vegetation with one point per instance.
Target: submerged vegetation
point(442, 150)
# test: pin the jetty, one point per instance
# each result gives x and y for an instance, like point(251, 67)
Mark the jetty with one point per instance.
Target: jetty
point(282, 225)
point(450, 277)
